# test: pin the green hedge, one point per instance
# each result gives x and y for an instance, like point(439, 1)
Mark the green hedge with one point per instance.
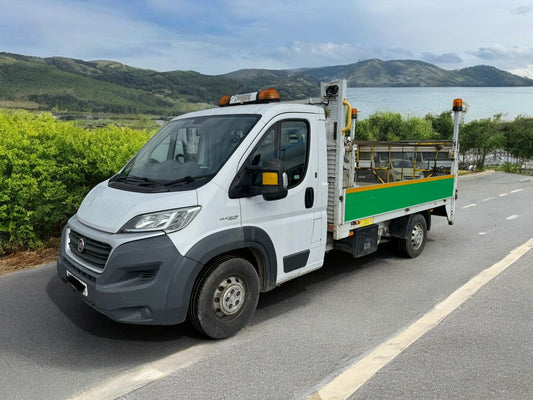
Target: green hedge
point(392, 126)
point(47, 167)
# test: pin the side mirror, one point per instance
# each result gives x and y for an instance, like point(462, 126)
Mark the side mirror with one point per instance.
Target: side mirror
point(274, 180)
point(269, 180)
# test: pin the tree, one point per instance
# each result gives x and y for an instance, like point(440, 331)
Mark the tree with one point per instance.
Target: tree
point(386, 125)
point(441, 124)
point(480, 137)
point(519, 139)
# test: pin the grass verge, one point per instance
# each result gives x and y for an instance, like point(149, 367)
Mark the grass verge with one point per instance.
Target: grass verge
point(28, 259)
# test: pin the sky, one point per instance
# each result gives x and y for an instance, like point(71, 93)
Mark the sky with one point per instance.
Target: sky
point(215, 37)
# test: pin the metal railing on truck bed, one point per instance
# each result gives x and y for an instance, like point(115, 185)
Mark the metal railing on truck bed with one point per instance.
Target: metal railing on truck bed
point(384, 162)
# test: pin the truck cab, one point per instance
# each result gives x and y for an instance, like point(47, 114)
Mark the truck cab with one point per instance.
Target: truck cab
point(240, 186)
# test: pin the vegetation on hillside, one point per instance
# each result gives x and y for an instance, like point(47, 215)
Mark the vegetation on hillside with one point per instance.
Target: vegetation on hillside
point(64, 85)
point(34, 84)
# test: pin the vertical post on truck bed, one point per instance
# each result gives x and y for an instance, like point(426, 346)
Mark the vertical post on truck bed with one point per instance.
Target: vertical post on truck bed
point(334, 93)
point(457, 110)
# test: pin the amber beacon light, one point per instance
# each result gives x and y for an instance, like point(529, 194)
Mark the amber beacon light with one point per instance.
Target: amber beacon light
point(264, 96)
point(268, 95)
point(458, 105)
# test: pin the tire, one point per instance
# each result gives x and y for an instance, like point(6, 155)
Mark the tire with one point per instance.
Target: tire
point(225, 298)
point(413, 245)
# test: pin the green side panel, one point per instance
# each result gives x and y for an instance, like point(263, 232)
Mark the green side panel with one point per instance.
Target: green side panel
point(367, 203)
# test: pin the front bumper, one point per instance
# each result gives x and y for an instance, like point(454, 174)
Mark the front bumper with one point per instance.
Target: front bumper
point(145, 281)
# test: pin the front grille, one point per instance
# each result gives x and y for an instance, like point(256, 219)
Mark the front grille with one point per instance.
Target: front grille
point(71, 267)
point(92, 251)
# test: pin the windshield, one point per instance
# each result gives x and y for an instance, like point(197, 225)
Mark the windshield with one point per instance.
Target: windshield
point(185, 152)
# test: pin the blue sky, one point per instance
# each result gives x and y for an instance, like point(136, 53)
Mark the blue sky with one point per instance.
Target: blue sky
point(215, 37)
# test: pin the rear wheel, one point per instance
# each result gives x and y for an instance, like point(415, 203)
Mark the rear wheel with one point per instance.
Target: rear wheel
point(225, 298)
point(413, 245)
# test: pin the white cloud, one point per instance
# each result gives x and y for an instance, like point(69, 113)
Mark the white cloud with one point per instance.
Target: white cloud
point(526, 72)
point(316, 52)
point(515, 59)
point(522, 10)
point(221, 36)
point(499, 52)
point(446, 58)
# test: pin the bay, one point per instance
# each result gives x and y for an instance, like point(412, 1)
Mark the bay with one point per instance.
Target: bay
point(481, 102)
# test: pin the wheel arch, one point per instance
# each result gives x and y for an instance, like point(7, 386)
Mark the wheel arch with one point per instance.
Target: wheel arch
point(398, 227)
point(250, 243)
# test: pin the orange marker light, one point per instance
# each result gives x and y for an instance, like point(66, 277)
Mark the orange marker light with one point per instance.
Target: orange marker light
point(354, 113)
point(268, 95)
point(270, 179)
point(458, 105)
point(224, 101)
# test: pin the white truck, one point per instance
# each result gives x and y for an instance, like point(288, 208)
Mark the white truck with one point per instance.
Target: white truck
point(223, 204)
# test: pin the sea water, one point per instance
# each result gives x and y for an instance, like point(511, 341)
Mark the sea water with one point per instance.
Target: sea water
point(481, 102)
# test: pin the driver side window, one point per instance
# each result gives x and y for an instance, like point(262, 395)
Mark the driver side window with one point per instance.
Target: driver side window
point(287, 141)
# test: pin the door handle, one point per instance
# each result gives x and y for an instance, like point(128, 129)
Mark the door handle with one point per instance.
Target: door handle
point(309, 197)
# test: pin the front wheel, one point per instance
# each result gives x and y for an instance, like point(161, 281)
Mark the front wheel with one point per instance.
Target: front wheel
point(225, 298)
point(413, 245)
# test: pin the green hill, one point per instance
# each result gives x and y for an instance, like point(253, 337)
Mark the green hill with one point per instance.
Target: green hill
point(41, 84)
point(187, 85)
point(70, 85)
point(398, 73)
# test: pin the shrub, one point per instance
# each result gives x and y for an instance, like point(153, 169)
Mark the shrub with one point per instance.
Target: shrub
point(391, 126)
point(47, 167)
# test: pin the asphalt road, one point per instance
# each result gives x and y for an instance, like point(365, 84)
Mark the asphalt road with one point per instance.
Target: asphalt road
point(307, 331)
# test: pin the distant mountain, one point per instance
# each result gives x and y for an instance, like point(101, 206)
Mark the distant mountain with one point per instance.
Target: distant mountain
point(65, 84)
point(378, 73)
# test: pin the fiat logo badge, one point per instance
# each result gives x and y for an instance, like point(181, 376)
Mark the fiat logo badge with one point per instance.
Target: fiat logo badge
point(81, 245)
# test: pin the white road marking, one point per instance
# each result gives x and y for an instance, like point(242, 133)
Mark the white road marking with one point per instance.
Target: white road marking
point(137, 378)
point(492, 198)
point(482, 233)
point(347, 383)
point(514, 216)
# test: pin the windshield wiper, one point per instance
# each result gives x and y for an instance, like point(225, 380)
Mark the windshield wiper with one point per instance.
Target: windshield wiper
point(134, 180)
point(188, 179)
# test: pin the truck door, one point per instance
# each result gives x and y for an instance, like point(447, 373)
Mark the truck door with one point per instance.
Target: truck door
point(296, 224)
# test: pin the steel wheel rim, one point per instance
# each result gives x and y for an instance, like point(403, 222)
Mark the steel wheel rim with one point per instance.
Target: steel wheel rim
point(229, 297)
point(417, 236)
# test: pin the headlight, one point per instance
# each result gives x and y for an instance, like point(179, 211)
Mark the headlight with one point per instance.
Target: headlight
point(168, 221)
